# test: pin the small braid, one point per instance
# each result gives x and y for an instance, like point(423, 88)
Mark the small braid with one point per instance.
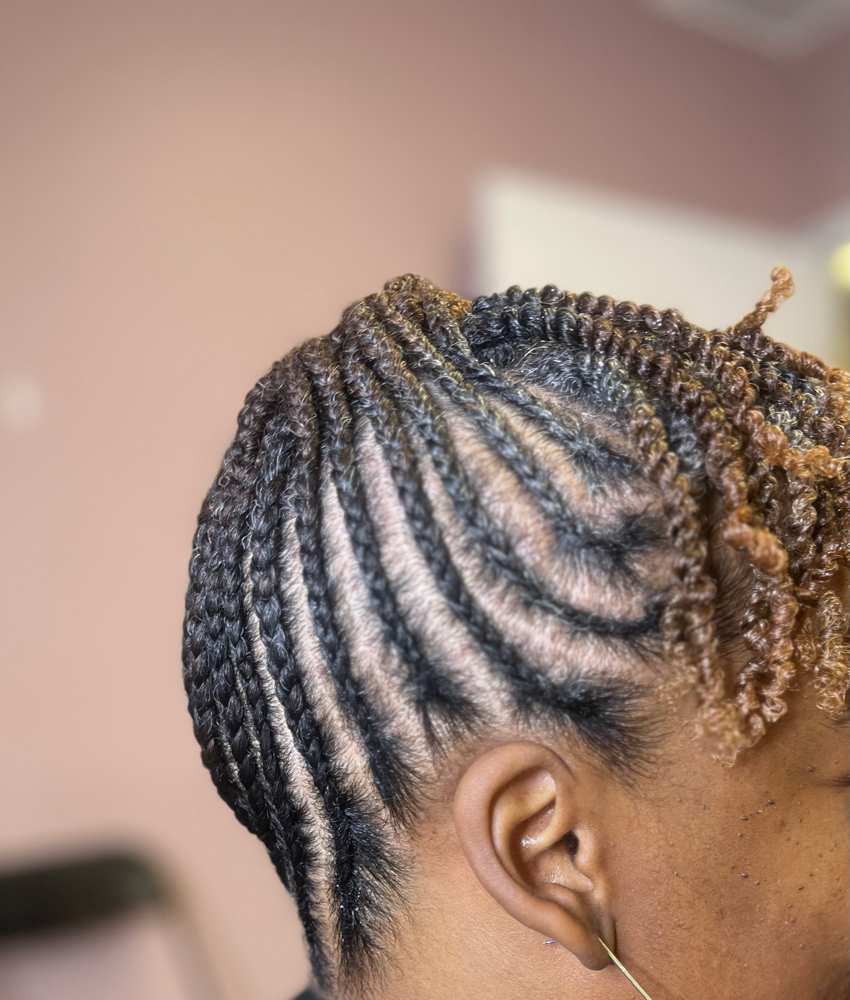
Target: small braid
point(712, 468)
point(431, 689)
point(358, 860)
point(388, 763)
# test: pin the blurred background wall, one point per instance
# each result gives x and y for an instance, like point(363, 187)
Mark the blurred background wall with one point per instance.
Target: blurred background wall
point(191, 188)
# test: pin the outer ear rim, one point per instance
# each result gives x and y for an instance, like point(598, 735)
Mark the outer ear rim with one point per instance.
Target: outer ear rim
point(560, 917)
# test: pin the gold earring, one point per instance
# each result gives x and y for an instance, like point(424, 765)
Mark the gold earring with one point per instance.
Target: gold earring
point(625, 971)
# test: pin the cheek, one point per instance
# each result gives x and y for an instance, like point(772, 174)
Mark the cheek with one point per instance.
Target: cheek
point(750, 907)
point(793, 903)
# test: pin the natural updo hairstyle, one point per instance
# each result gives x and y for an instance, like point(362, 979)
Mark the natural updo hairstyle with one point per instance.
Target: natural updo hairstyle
point(442, 521)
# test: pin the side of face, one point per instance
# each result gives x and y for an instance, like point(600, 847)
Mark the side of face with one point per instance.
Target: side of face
point(707, 880)
point(737, 876)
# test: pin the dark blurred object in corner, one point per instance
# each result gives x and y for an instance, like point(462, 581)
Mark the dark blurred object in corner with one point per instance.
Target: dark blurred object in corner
point(107, 927)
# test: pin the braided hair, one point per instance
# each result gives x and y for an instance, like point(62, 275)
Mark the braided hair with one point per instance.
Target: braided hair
point(446, 520)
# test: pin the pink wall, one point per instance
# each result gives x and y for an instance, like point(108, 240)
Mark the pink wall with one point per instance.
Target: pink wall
point(188, 190)
point(818, 87)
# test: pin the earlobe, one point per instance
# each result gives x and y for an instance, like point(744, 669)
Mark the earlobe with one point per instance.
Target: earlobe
point(518, 811)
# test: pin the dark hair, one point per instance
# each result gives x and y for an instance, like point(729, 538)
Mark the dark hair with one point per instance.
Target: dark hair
point(441, 520)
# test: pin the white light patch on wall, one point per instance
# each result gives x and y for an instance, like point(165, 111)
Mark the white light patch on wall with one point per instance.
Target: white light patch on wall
point(22, 403)
point(839, 264)
point(532, 232)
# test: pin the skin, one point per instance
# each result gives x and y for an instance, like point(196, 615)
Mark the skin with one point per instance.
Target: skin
point(706, 880)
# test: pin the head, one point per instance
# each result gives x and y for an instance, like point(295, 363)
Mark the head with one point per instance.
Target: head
point(519, 626)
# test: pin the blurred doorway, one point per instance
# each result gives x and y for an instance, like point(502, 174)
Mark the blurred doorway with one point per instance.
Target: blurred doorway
point(531, 232)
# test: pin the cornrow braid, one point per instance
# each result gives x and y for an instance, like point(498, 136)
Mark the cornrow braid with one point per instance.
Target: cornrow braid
point(287, 497)
point(530, 686)
point(403, 391)
point(430, 689)
point(573, 533)
point(442, 521)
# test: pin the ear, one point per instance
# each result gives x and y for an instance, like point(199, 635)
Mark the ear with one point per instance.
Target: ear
point(526, 825)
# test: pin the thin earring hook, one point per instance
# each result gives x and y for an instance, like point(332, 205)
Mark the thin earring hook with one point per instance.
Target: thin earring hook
point(620, 966)
point(625, 971)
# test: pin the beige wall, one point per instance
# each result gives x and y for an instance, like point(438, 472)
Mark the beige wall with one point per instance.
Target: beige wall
point(189, 189)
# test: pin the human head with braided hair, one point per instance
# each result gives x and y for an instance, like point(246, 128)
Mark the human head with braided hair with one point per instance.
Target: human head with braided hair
point(519, 626)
